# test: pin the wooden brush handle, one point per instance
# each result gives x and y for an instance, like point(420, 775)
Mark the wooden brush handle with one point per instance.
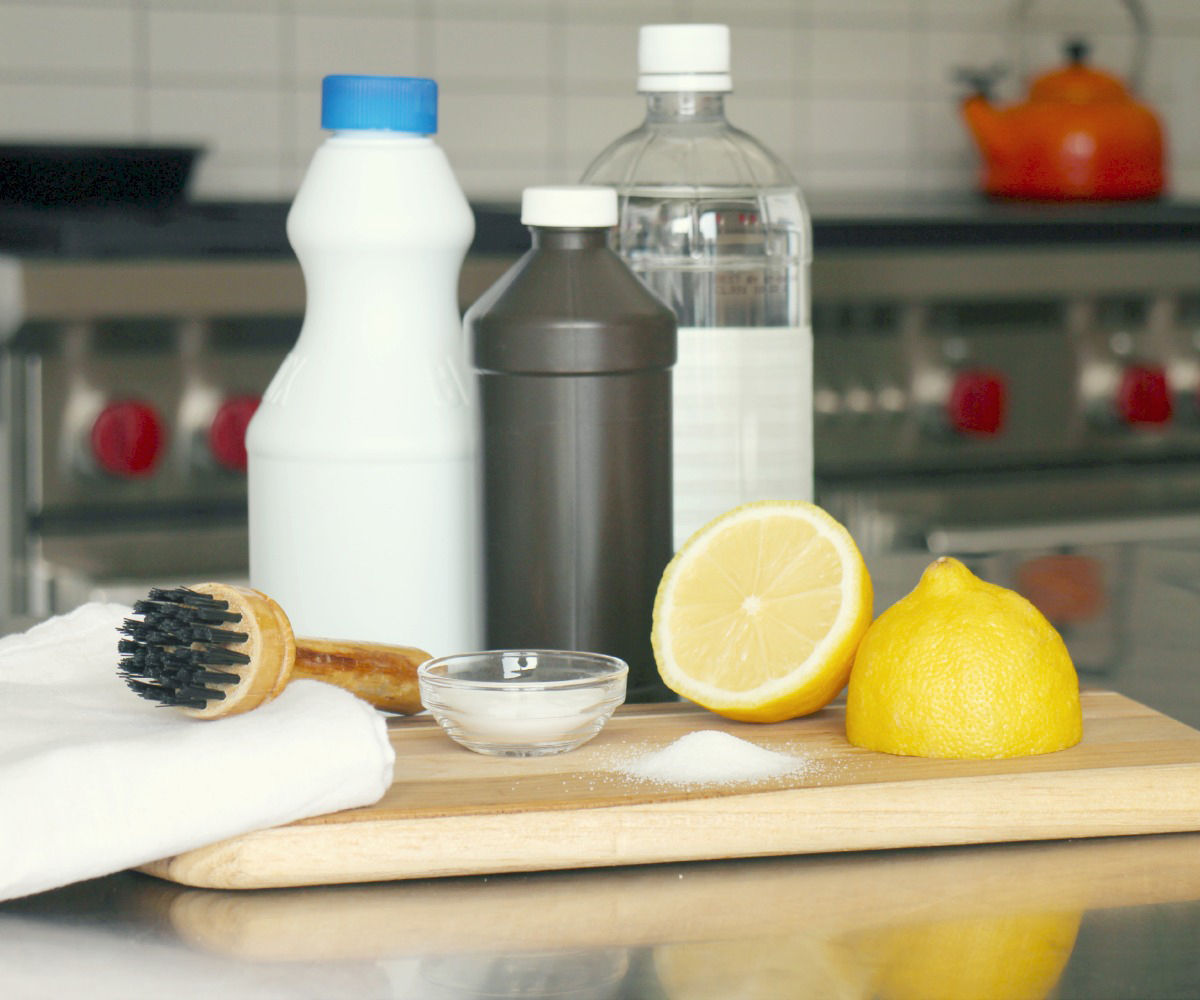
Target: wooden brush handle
point(385, 676)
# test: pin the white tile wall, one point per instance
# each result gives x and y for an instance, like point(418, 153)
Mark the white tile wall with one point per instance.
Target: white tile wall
point(369, 42)
point(852, 93)
point(37, 111)
point(48, 40)
point(235, 126)
point(213, 46)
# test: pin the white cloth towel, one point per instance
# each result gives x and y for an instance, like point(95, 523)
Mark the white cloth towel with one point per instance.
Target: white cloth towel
point(94, 779)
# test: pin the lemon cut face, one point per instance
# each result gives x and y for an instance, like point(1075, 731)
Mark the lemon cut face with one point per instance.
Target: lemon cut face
point(758, 616)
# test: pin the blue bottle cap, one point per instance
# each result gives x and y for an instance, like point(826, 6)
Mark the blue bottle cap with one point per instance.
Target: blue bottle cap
point(394, 103)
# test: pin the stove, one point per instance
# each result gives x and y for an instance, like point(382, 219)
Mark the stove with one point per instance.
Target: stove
point(134, 345)
point(1025, 396)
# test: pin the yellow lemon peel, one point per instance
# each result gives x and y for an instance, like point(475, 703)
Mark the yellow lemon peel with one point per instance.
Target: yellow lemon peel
point(962, 668)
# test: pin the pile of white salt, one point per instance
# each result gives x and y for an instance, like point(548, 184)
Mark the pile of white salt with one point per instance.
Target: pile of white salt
point(711, 757)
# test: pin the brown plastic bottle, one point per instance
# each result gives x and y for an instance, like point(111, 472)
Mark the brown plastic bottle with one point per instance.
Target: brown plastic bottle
point(573, 358)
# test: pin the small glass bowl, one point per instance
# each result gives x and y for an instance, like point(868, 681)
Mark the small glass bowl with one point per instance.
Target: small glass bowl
point(522, 702)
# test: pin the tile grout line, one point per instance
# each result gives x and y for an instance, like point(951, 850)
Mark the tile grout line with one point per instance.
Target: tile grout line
point(556, 87)
point(424, 14)
point(288, 79)
point(141, 70)
point(916, 166)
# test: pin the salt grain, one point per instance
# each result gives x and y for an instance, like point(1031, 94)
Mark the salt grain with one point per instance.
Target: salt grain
point(711, 757)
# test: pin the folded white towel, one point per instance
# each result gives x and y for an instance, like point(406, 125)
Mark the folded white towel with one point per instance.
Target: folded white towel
point(94, 779)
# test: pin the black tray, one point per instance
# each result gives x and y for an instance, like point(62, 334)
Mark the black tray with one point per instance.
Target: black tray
point(51, 174)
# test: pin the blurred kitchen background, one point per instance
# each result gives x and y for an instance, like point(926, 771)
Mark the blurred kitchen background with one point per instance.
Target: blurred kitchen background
point(1014, 383)
point(854, 94)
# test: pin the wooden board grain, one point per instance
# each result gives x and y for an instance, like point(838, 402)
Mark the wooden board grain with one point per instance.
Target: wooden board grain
point(452, 812)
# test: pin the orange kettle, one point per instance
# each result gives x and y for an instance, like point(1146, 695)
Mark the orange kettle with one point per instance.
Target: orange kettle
point(1080, 135)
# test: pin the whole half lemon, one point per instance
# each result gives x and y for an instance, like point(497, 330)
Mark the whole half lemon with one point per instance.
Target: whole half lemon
point(962, 668)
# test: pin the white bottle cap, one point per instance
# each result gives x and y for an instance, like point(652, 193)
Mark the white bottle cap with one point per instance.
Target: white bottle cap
point(582, 206)
point(684, 57)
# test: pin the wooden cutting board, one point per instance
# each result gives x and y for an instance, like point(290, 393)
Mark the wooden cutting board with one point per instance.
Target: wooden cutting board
point(453, 812)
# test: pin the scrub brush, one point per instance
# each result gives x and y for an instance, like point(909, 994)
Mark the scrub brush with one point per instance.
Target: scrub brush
point(214, 650)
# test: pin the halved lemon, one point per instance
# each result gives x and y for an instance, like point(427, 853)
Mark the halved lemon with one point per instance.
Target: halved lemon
point(758, 616)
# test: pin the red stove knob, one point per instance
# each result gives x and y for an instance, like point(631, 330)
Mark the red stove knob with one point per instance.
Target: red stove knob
point(978, 402)
point(227, 432)
point(1143, 395)
point(127, 438)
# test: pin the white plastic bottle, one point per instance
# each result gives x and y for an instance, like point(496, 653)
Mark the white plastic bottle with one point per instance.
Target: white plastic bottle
point(362, 484)
point(715, 224)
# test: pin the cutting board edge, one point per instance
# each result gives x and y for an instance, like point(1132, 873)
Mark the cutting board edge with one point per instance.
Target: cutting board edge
point(702, 829)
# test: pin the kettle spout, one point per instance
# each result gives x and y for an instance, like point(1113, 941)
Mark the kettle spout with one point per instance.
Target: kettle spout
point(987, 124)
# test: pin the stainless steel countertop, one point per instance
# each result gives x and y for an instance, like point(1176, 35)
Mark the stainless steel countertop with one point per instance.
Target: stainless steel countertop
point(1104, 918)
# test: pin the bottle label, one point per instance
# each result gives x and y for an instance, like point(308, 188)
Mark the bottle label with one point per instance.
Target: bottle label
point(742, 415)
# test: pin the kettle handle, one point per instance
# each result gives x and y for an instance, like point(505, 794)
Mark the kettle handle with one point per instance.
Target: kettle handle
point(1019, 17)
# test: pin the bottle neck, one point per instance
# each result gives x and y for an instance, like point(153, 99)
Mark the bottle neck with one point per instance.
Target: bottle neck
point(377, 137)
point(553, 238)
point(685, 106)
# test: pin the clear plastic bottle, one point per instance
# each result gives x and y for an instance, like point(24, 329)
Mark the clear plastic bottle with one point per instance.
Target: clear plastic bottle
point(363, 499)
point(716, 226)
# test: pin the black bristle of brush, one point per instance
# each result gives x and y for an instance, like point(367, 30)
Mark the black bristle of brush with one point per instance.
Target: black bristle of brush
point(173, 653)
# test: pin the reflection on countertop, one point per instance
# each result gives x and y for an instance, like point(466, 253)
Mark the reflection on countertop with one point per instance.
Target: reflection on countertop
point(1091, 919)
